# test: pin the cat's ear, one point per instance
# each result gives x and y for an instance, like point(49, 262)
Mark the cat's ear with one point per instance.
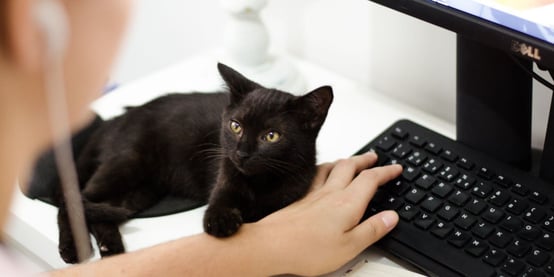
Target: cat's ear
point(239, 86)
point(315, 105)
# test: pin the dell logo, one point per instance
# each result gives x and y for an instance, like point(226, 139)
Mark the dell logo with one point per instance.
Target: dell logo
point(526, 50)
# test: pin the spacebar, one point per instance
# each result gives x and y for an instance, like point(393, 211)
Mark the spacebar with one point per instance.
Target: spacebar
point(439, 251)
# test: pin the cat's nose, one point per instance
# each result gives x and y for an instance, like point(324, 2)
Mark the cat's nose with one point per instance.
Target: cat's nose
point(242, 154)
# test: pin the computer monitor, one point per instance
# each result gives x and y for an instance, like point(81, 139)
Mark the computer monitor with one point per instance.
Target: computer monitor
point(497, 42)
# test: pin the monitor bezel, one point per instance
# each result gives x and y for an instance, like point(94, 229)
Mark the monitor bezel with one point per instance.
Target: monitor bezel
point(475, 28)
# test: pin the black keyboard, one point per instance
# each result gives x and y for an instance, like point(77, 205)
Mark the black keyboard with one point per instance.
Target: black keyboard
point(462, 213)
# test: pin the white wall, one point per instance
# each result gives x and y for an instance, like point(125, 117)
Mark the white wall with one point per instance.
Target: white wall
point(388, 51)
point(167, 31)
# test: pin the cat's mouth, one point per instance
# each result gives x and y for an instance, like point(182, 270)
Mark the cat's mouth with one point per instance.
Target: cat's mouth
point(240, 164)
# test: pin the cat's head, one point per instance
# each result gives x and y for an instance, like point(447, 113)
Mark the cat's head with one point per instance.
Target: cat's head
point(268, 130)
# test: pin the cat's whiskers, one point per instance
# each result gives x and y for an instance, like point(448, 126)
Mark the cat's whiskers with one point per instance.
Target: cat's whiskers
point(214, 152)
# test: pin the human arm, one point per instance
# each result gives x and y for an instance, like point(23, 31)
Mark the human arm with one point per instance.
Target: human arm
point(315, 235)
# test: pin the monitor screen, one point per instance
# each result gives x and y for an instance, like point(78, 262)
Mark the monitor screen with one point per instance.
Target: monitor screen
point(523, 27)
point(535, 17)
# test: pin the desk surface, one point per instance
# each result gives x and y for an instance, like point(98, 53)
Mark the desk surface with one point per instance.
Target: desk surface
point(357, 115)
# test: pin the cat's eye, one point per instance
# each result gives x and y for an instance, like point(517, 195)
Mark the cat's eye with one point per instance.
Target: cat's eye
point(235, 127)
point(272, 136)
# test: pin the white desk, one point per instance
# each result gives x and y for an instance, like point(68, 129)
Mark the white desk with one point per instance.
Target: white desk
point(356, 116)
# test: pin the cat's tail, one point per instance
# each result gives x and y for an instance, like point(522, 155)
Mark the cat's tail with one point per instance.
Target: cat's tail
point(103, 212)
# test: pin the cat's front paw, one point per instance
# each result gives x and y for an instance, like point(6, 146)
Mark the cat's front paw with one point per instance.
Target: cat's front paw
point(222, 222)
point(68, 251)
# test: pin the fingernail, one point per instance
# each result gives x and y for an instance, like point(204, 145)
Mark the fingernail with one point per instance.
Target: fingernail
point(371, 152)
point(390, 218)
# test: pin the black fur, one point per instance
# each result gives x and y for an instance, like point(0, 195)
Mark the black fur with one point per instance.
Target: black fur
point(183, 144)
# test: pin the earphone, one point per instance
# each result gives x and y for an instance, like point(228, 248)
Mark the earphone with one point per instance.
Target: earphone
point(52, 23)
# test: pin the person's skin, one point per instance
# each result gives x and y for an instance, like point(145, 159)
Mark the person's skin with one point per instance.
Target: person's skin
point(312, 236)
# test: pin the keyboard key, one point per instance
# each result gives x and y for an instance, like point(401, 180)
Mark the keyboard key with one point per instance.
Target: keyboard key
point(546, 241)
point(392, 161)
point(529, 232)
point(432, 166)
point(476, 206)
point(494, 257)
point(538, 198)
point(449, 156)
point(431, 204)
point(485, 173)
point(464, 182)
point(493, 215)
point(520, 189)
point(448, 173)
point(425, 181)
point(408, 212)
point(424, 221)
point(465, 164)
point(416, 158)
point(511, 224)
point(415, 196)
point(513, 267)
point(500, 239)
point(548, 223)
point(399, 133)
point(517, 206)
point(534, 215)
point(441, 229)
point(465, 221)
point(503, 181)
point(417, 141)
point(482, 189)
point(476, 248)
point(518, 248)
point(459, 238)
point(392, 203)
point(410, 173)
point(385, 144)
point(459, 198)
point(499, 198)
point(533, 272)
point(398, 187)
point(483, 230)
point(442, 190)
point(448, 212)
point(433, 148)
point(538, 257)
point(401, 151)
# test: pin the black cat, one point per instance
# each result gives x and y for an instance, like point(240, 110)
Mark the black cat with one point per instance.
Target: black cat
point(248, 152)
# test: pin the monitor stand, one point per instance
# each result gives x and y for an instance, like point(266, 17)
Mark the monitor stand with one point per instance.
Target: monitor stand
point(494, 100)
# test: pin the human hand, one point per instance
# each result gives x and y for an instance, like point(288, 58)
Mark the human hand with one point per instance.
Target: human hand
point(322, 231)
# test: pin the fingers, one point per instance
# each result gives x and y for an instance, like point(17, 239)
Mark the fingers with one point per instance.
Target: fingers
point(366, 183)
point(373, 229)
point(345, 170)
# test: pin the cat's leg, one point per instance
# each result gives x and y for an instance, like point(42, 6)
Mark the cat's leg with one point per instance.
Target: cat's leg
point(107, 235)
point(223, 216)
point(123, 187)
point(107, 238)
point(66, 244)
